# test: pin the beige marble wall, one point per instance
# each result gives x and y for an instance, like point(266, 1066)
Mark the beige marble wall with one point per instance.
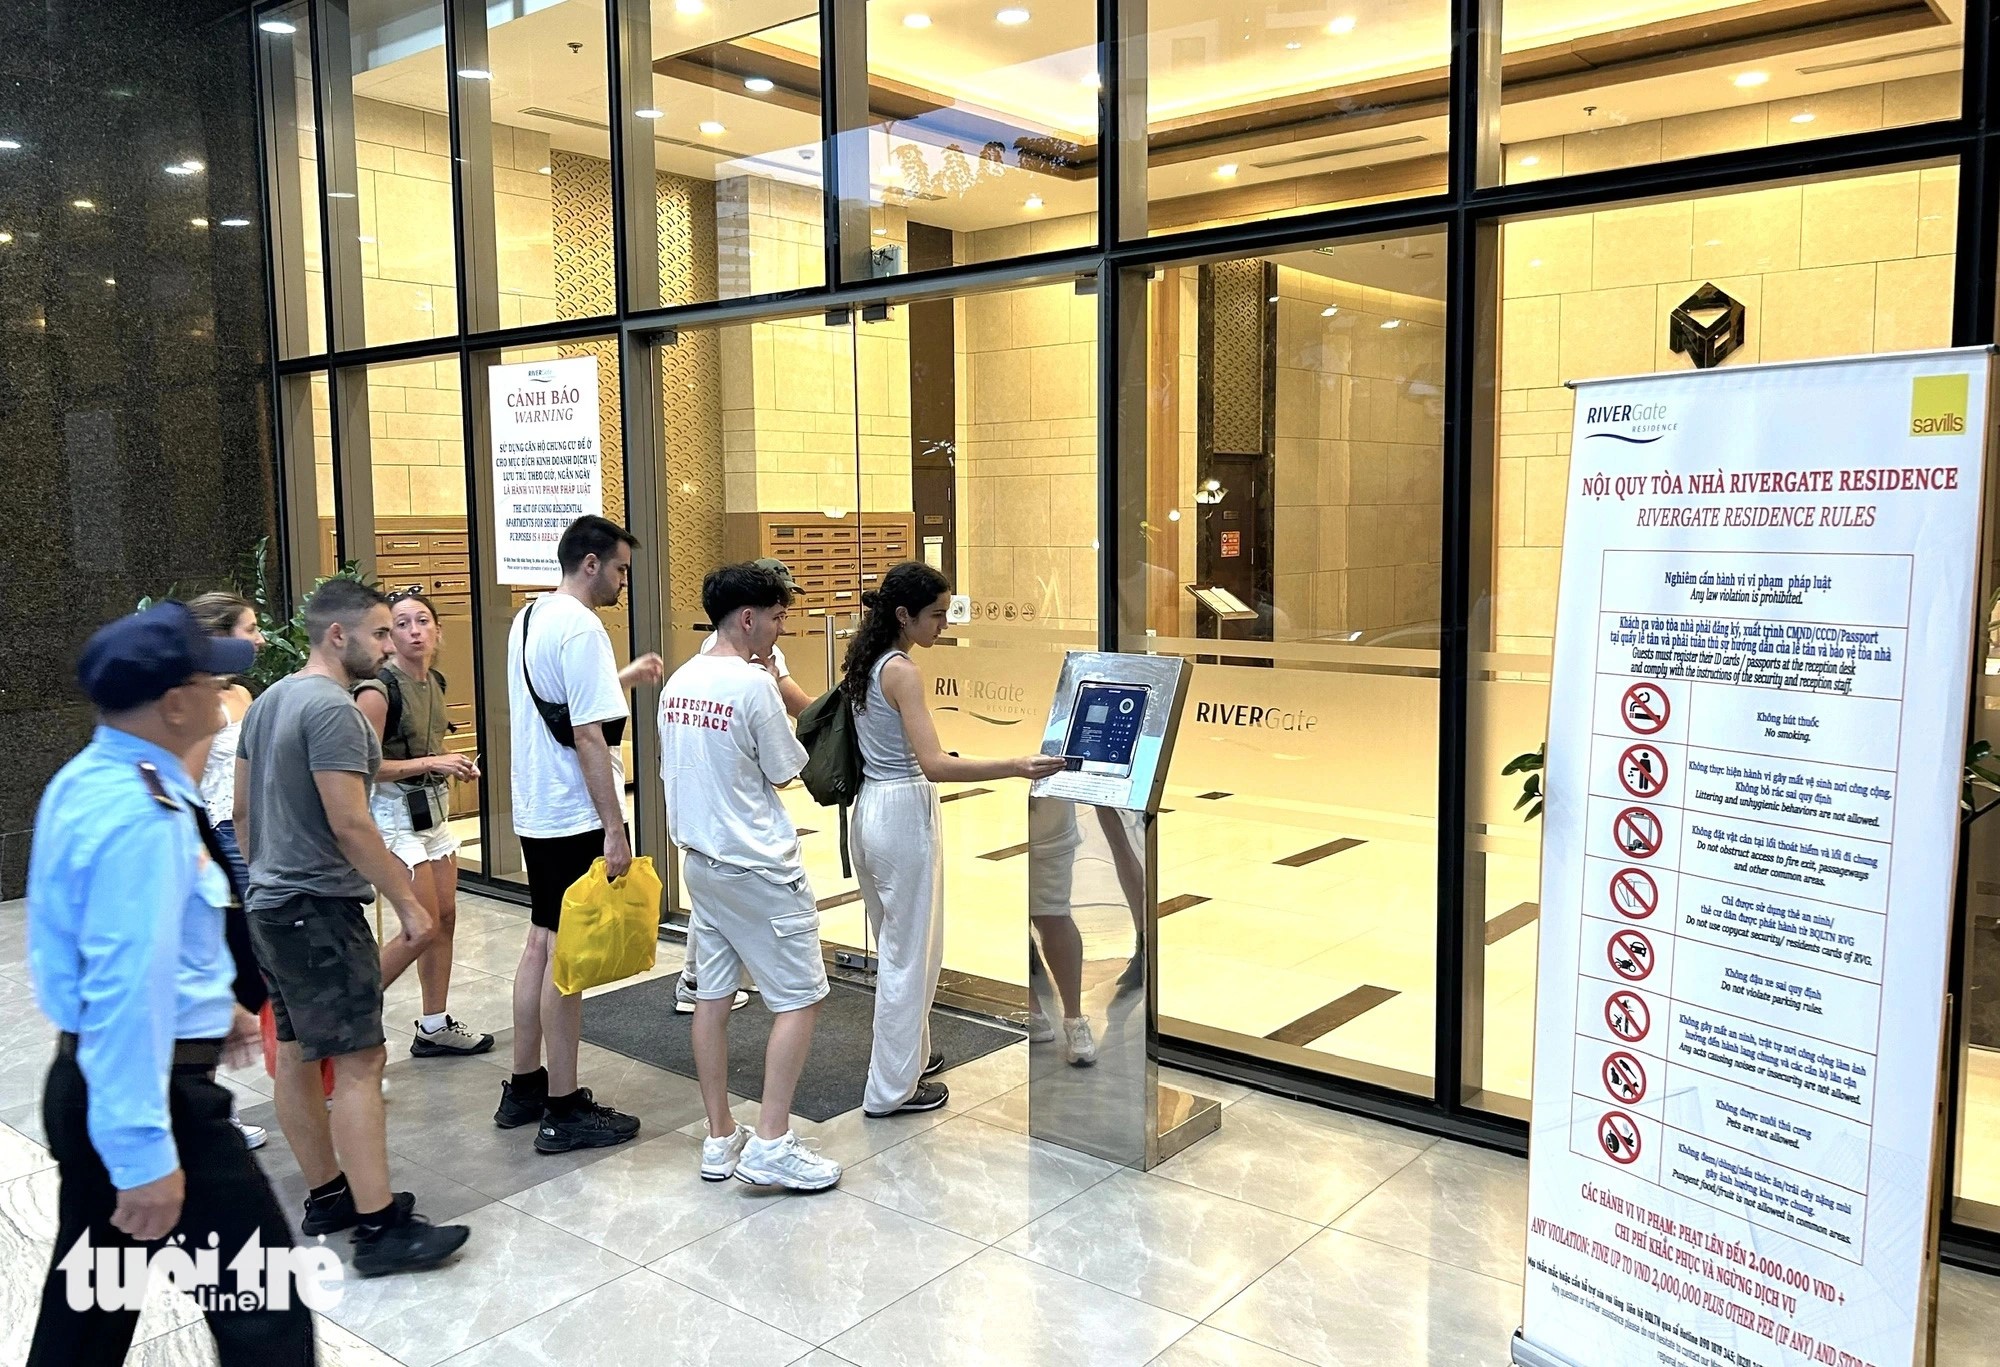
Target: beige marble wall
point(1890, 104)
point(1830, 268)
point(1358, 458)
point(798, 396)
point(1027, 437)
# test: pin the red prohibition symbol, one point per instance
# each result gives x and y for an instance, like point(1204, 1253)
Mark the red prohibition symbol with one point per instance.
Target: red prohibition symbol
point(1619, 1134)
point(1636, 831)
point(1645, 709)
point(1625, 1078)
point(1631, 955)
point(1643, 770)
point(1634, 894)
point(1627, 1016)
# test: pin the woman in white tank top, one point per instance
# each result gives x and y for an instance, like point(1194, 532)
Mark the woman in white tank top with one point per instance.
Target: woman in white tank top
point(896, 840)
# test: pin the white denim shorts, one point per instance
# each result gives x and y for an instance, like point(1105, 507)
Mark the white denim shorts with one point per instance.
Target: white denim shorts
point(738, 919)
point(406, 842)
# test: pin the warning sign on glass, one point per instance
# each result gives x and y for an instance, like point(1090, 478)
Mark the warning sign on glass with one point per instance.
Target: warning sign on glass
point(547, 462)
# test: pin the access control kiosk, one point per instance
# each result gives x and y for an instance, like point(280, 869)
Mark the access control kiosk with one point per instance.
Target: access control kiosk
point(1093, 918)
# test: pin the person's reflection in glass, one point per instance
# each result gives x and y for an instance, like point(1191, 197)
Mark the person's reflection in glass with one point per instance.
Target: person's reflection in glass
point(1056, 944)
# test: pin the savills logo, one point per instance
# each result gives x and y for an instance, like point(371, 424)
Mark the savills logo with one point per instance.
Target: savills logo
point(1938, 405)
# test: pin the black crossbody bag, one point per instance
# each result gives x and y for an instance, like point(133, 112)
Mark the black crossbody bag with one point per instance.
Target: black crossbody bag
point(555, 715)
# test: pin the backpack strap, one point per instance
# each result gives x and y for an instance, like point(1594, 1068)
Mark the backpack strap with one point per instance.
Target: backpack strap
point(392, 724)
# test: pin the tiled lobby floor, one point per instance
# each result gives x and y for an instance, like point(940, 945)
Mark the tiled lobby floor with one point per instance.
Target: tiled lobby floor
point(1294, 1235)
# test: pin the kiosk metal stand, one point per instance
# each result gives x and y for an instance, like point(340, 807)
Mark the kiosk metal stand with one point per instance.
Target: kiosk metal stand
point(1093, 955)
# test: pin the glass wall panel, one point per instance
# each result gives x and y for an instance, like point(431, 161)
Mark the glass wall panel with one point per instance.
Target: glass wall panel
point(1293, 463)
point(1270, 108)
point(734, 108)
point(389, 142)
point(982, 118)
point(1592, 87)
point(504, 602)
point(1977, 1199)
point(293, 171)
point(1833, 267)
point(546, 108)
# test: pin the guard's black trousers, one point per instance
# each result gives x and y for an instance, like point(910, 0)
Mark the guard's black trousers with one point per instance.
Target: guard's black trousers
point(227, 1195)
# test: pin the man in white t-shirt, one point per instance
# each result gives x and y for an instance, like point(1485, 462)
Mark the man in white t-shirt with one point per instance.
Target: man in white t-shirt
point(567, 713)
point(796, 701)
point(726, 744)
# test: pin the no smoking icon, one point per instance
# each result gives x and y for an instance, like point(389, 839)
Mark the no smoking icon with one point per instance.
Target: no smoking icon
point(1634, 894)
point(1627, 1016)
point(1643, 770)
point(1619, 1134)
point(1645, 709)
point(1625, 1078)
point(1637, 832)
point(1631, 954)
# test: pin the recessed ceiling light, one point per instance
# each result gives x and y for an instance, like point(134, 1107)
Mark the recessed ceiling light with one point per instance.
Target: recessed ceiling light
point(542, 171)
point(82, 204)
point(1226, 171)
point(1329, 311)
point(1391, 323)
point(1032, 202)
point(916, 21)
point(690, 6)
point(758, 84)
point(1294, 45)
point(649, 113)
point(110, 279)
point(244, 223)
point(1536, 264)
point(474, 73)
point(1531, 161)
point(1747, 79)
point(1011, 17)
point(1802, 118)
point(9, 145)
point(278, 26)
point(879, 232)
point(1344, 24)
point(179, 170)
point(712, 128)
point(1092, 81)
point(5, 238)
point(198, 222)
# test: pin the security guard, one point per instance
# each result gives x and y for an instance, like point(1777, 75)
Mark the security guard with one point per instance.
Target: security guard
point(126, 947)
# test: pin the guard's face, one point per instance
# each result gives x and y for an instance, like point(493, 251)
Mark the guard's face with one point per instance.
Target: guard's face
point(193, 712)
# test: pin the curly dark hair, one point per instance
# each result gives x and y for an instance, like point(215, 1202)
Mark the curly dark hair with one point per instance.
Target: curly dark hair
point(912, 586)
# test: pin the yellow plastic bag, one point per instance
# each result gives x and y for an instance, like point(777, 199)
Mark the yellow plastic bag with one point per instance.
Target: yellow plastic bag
point(609, 930)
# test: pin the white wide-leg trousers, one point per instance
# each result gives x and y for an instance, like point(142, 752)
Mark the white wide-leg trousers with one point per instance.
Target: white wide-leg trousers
point(897, 841)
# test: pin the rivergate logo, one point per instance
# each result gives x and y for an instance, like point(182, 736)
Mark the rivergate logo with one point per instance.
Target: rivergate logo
point(1642, 424)
point(1255, 717)
point(260, 1278)
point(1000, 704)
point(1938, 405)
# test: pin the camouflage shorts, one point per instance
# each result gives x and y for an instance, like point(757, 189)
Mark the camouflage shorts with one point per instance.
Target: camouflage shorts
point(325, 973)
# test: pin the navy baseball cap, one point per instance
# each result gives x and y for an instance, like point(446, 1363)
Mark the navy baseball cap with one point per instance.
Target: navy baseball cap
point(134, 660)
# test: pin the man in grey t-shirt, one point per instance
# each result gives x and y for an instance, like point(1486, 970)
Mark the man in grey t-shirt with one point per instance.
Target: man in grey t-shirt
point(303, 768)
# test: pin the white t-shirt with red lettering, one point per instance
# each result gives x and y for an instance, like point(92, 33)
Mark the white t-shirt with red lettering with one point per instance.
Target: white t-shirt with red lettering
point(725, 746)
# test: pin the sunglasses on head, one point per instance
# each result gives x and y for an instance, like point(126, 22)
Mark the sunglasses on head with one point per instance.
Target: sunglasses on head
point(413, 591)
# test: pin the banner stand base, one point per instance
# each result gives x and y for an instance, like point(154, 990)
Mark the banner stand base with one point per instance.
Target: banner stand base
point(1524, 1354)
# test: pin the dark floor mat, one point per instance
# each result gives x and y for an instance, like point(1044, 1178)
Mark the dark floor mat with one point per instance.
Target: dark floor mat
point(639, 1022)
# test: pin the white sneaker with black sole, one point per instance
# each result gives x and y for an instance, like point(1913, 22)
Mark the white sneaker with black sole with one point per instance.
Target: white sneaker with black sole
point(253, 1135)
point(685, 999)
point(719, 1157)
point(450, 1038)
point(786, 1162)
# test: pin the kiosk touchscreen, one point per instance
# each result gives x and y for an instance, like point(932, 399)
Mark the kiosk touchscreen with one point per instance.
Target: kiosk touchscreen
point(1113, 723)
point(1104, 729)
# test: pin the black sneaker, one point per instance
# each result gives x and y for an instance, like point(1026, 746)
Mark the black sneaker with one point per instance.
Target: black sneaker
point(934, 1066)
point(617, 1120)
point(410, 1245)
point(331, 1214)
point(516, 1110)
point(928, 1097)
point(590, 1126)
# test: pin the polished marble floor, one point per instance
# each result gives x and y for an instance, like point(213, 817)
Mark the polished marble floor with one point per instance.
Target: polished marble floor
point(1294, 1235)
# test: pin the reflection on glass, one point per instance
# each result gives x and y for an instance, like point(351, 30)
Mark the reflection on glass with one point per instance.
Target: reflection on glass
point(401, 151)
point(1977, 1200)
point(293, 169)
point(1090, 1076)
point(1293, 462)
point(1589, 88)
point(551, 160)
point(1274, 107)
point(1838, 267)
point(734, 109)
point(981, 119)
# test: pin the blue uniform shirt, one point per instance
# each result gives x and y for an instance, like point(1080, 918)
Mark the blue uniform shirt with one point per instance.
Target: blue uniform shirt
point(125, 940)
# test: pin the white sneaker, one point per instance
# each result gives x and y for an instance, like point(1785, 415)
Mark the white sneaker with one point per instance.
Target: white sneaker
point(1041, 1030)
point(685, 999)
point(719, 1157)
point(786, 1162)
point(1078, 1045)
point(253, 1135)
